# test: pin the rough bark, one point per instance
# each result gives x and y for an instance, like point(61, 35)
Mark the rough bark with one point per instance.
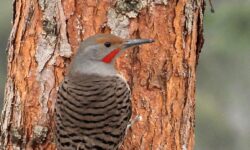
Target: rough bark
point(162, 75)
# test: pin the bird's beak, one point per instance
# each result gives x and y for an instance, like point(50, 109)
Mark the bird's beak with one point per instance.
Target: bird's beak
point(135, 42)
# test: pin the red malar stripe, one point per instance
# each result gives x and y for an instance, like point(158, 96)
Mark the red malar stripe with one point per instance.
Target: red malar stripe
point(108, 58)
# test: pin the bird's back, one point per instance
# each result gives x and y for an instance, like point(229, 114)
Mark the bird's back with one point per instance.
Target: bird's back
point(92, 112)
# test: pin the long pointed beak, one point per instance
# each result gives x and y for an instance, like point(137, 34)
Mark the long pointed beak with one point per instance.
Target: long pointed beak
point(135, 42)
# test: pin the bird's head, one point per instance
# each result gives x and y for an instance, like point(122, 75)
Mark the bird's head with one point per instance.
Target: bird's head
point(97, 54)
point(106, 47)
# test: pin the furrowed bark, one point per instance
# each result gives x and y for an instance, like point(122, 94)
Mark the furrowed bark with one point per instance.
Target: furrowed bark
point(162, 75)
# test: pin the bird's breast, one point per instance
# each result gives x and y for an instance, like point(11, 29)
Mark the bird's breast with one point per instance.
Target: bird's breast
point(92, 111)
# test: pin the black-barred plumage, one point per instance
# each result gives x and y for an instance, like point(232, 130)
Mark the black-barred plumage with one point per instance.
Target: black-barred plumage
point(92, 112)
point(93, 107)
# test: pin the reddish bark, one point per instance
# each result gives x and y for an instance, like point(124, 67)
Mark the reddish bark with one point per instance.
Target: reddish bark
point(161, 75)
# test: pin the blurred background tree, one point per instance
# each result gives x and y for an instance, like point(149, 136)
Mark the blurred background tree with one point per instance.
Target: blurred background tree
point(223, 85)
point(5, 27)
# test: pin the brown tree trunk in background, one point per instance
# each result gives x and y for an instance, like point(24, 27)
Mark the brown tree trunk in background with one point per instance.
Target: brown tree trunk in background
point(46, 33)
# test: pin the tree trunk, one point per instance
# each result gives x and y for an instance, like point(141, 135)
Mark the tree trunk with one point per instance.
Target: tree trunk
point(45, 35)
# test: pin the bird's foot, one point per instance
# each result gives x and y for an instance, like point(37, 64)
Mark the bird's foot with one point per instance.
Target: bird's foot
point(133, 121)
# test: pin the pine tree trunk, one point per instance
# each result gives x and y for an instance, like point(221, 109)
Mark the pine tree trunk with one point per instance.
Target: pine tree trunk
point(45, 35)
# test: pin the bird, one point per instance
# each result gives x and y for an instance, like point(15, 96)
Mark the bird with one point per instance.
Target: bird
point(93, 105)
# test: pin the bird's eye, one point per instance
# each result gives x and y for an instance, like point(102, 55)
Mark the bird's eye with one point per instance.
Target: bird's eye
point(107, 44)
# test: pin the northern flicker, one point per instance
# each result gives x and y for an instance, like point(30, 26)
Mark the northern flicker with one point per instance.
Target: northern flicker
point(93, 106)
